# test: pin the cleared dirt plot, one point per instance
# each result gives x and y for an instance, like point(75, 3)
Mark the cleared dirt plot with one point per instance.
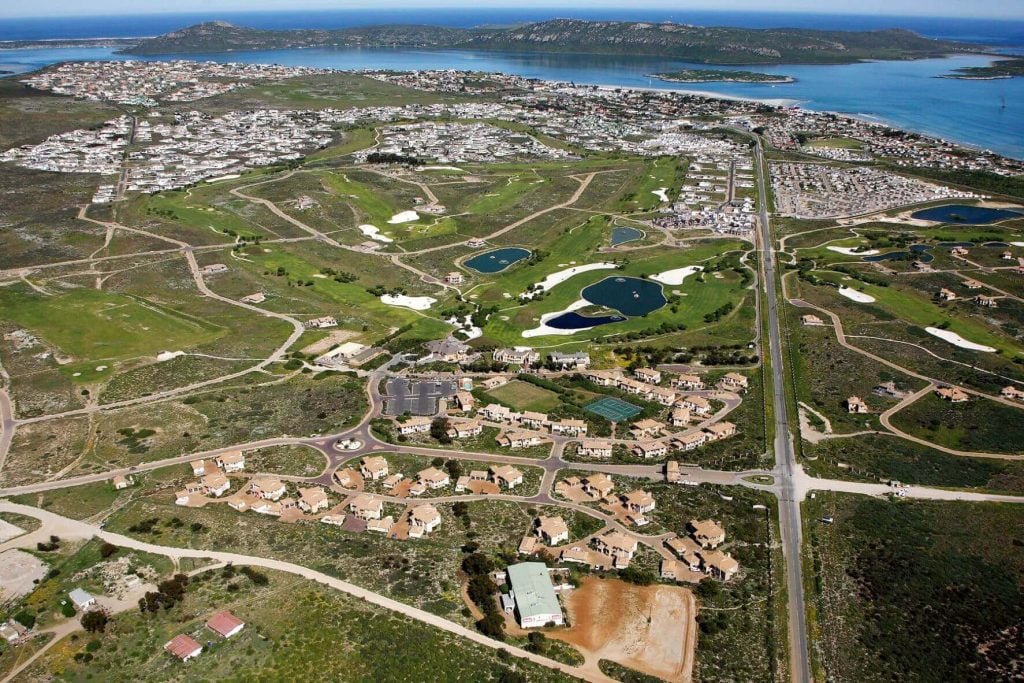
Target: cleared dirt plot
point(651, 629)
point(19, 572)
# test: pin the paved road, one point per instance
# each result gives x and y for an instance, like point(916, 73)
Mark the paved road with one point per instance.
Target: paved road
point(69, 528)
point(786, 466)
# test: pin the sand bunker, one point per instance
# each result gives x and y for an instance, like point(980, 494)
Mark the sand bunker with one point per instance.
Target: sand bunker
point(542, 329)
point(416, 303)
point(859, 297)
point(956, 340)
point(852, 251)
point(676, 277)
point(563, 275)
point(373, 232)
point(661, 193)
point(404, 217)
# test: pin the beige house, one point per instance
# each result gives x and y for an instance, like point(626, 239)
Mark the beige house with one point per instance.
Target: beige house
point(649, 375)
point(698, 405)
point(121, 481)
point(689, 442)
point(599, 485)
point(365, 506)
point(267, 488)
point(569, 427)
point(534, 420)
point(506, 476)
point(198, 468)
point(414, 425)
point(810, 319)
point(552, 530)
point(464, 429)
point(617, 545)
point(663, 395)
point(215, 484)
point(679, 417)
point(423, 519)
point(690, 382)
point(952, 394)
point(494, 382)
point(231, 462)
point(519, 439)
point(639, 501)
point(595, 448)
point(464, 400)
point(646, 429)
point(650, 449)
point(313, 500)
point(719, 565)
point(454, 278)
point(687, 550)
point(380, 526)
point(671, 570)
point(1013, 393)
point(946, 294)
point(720, 430)
point(734, 381)
point(373, 467)
point(707, 532)
point(434, 478)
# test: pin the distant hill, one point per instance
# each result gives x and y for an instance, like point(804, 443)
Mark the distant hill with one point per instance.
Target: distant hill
point(710, 45)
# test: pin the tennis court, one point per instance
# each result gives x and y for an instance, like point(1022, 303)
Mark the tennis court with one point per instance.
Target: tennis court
point(613, 409)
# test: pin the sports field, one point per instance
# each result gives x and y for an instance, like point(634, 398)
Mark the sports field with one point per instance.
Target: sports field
point(613, 409)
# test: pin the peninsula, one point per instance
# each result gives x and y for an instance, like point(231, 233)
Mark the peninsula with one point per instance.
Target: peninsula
point(697, 44)
point(1001, 68)
point(721, 76)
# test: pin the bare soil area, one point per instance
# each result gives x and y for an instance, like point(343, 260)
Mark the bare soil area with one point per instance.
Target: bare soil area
point(651, 629)
point(18, 573)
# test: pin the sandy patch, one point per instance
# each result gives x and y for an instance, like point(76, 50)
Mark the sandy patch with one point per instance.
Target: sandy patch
point(1017, 244)
point(859, 297)
point(563, 275)
point(851, 251)
point(441, 168)
point(653, 628)
point(404, 217)
point(416, 303)
point(9, 531)
point(956, 340)
point(18, 572)
point(661, 193)
point(332, 339)
point(676, 277)
point(168, 355)
point(542, 329)
point(373, 232)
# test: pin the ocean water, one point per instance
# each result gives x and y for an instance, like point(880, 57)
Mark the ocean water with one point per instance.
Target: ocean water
point(907, 94)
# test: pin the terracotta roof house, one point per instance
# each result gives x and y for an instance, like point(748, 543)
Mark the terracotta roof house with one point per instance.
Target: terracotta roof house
point(595, 448)
point(267, 488)
point(552, 530)
point(507, 476)
point(719, 565)
point(231, 462)
point(707, 532)
point(855, 405)
point(598, 484)
point(650, 449)
point(617, 545)
point(720, 430)
point(183, 647)
point(425, 518)
point(313, 500)
point(365, 506)
point(373, 467)
point(691, 382)
point(952, 394)
point(225, 624)
point(434, 478)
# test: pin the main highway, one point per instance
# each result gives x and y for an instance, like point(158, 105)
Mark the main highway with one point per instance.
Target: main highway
point(786, 468)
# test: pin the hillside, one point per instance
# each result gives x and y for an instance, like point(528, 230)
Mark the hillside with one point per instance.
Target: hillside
point(716, 45)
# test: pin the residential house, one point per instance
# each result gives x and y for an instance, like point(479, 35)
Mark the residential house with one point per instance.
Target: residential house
point(810, 319)
point(986, 301)
point(233, 461)
point(1013, 393)
point(448, 350)
point(497, 413)
point(454, 278)
point(81, 599)
point(225, 624)
point(671, 570)
point(720, 430)
point(973, 284)
point(687, 550)
point(689, 382)
point(663, 395)
point(595, 448)
point(599, 485)
point(464, 400)
point(689, 442)
point(365, 506)
point(393, 481)
point(313, 500)
point(855, 405)
point(707, 532)
point(552, 530)
point(578, 361)
point(373, 467)
point(519, 439)
point(267, 488)
point(506, 476)
point(215, 484)
point(719, 565)
point(947, 294)
point(523, 356)
point(183, 647)
point(650, 449)
point(380, 526)
point(639, 501)
point(733, 381)
point(494, 382)
point(679, 417)
point(464, 429)
point(198, 468)
point(569, 427)
point(534, 420)
point(121, 481)
point(697, 405)
point(434, 478)
point(414, 425)
point(952, 394)
point(617, 545)
point(646, 429)
point(649, 375)
point(423, 519)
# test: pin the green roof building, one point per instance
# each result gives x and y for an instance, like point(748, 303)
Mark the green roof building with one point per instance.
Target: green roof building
point(536, 602)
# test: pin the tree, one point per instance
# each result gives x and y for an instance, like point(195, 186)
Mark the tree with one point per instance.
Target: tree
point(107, 549)
point(477, 564)
point(94, 621)
point(439, 430)
point(492, 625)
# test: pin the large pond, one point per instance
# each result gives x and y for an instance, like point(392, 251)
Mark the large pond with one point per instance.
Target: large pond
point(621, 235)
point(497, 260)
point(629, 296)
point(965, 214)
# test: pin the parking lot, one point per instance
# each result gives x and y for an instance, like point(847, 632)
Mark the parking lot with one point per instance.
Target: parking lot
point(417, 397)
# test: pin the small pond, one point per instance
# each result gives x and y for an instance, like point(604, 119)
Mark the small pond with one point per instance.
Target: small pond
point(497, 260)
point(918, 252)
point(621, 235)
point(574, 321)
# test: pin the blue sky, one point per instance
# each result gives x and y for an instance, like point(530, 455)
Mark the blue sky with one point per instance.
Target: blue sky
point(1009, 9)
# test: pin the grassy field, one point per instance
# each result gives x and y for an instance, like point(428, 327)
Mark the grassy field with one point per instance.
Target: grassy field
point(294, 628)
point(884, 574)
point(882, 458)
point(525, 396)
point(296, 461)
point(978, 425)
